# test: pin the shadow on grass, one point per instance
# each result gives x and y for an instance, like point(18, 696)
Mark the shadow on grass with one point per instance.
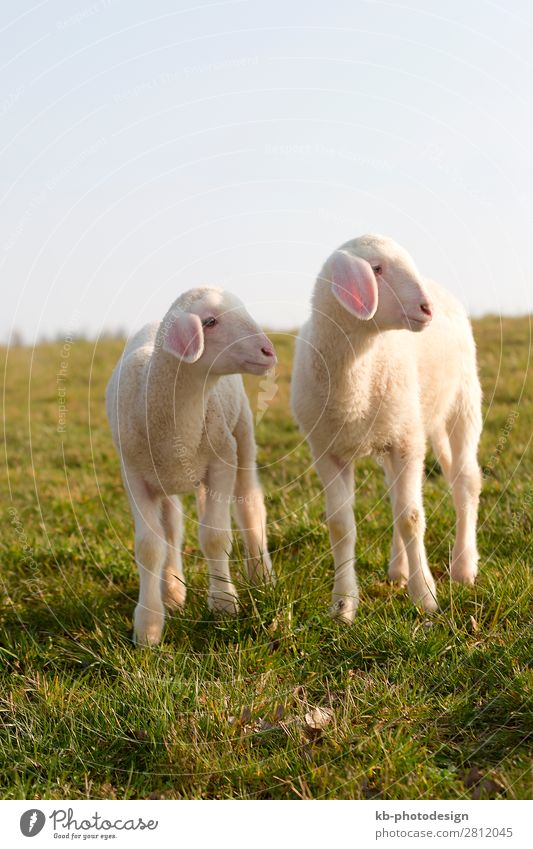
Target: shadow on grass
point(96, 630)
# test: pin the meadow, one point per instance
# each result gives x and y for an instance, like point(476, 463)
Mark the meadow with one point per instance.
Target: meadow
point(281, 702)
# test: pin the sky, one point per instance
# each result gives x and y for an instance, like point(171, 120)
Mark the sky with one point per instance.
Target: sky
point(147, 148)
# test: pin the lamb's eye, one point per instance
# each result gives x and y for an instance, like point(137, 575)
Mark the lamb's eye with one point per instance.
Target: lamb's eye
point(377, 269)
point(209, 322)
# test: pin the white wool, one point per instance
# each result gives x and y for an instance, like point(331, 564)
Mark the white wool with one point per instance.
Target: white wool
point(184, 426)
point(375, 387)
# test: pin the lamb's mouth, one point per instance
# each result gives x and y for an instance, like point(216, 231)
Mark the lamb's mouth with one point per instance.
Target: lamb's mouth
point(263, 366)
point(417, 323)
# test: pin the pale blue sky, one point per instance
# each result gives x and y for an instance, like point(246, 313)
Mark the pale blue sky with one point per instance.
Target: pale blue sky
point(150, 147)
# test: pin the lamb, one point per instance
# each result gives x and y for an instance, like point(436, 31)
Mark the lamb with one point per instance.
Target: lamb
point(387, 360)
point(181, 423)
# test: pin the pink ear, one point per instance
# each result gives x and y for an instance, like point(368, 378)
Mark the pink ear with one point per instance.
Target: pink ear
point(354, 284)
point(185, 337)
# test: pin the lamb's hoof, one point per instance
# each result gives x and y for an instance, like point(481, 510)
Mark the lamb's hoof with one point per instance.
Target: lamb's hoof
point(464, 568)
point(260, 572)
point(174, 592)
point(223, 604)
point(262, 577)
point(424, 597)
point(343, 608)
point(398, 574)
point(147, 626)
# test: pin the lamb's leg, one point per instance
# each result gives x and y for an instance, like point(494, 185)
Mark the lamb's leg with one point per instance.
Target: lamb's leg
point(398, 564)
point(339, 489)
point(200, 501)
point(251, 517)
point(407, 466)
point(174, 588)
point(150, 553)
point(465, 480)
point(215, 536)
point(249, 504)
point(441, 446)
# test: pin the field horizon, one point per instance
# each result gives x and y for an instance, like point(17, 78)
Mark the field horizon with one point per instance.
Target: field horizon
point(121, 333)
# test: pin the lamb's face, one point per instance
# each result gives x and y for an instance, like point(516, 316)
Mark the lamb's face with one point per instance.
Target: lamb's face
point(374, 278)
point(216, 332)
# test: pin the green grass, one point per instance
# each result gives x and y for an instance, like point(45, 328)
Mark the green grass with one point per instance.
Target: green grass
point(419, 708)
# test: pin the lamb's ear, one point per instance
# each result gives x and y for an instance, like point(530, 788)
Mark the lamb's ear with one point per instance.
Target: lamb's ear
point(354, 285)
point(185, 337)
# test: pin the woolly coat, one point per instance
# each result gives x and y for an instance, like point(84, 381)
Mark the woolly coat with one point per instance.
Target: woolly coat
point(166, 422)
point(356, 390)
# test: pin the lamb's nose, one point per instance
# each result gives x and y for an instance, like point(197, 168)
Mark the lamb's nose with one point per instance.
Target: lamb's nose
point(426, 309)
point(268, 351)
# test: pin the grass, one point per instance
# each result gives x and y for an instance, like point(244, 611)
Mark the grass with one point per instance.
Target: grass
point(412, 708)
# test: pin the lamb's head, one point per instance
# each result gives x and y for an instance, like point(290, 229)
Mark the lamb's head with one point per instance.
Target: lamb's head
point(374, 278)
point(211, 329)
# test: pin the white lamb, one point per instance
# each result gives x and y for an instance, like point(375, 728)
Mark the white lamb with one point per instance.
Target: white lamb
point(181, 423)
point(364, 384)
